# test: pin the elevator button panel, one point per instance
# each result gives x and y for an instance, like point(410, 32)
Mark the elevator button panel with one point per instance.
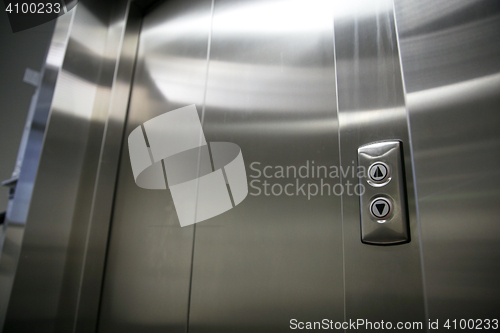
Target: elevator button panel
point(383, 203)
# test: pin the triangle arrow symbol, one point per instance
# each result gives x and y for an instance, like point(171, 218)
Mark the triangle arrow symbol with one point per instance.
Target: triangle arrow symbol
point(380, 208)
point(378, 173)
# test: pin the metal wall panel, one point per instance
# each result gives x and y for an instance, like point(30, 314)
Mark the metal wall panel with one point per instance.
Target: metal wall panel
point(18, 207)
point(56, 206)
point(451, 59)
point(271, 90)
point(381, 282)
point(97, 197)
point(146, 284)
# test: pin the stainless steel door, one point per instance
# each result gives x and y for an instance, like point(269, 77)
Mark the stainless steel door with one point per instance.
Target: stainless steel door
point(270, 88)
point(147, 278)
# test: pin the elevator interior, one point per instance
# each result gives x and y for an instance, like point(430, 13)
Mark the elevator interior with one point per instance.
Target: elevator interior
point(293, 84)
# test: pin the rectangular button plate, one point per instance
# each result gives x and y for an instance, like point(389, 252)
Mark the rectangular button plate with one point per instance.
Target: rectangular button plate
point(383, 204)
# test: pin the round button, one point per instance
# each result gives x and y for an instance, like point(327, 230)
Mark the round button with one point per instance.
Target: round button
point(378, 172)
point(380, 208)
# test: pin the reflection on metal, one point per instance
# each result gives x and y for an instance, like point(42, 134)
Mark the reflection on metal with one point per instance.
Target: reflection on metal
point(81, 100)
point(450, 55)
point(32, 147)
point(121, 52)
point(380, 282)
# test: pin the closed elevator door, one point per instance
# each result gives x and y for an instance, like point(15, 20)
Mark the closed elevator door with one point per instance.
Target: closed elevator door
point(262, 76)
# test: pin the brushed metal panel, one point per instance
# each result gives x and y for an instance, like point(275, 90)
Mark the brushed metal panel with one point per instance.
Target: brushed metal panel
point(96, 198)
point(147, 275)
point(18, 207)
point(271, 90)
point(78, 69)
point(80, 290)
point(451, 59)
point(381, 283)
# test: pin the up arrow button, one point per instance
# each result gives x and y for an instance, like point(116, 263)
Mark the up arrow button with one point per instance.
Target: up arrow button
point(378, 172)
